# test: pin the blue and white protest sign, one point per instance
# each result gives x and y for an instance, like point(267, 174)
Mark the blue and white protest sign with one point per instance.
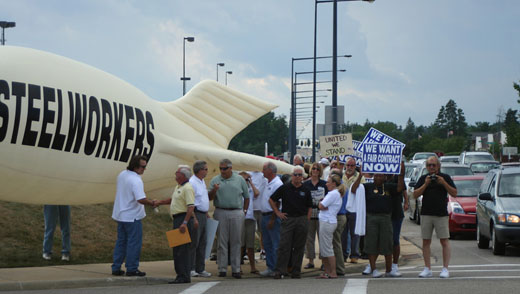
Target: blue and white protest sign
point(382, 158)
point(375, 136)
point(358, 153)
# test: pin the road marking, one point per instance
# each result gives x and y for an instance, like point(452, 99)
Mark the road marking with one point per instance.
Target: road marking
point(199, 288)
point(356, 286)
point(479, 265)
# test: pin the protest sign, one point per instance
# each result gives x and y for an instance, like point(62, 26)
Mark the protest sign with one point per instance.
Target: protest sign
point(336, 145)
point(382, 158)
point(375, 136)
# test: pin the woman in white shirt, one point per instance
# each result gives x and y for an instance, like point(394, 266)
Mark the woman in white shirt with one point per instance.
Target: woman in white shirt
point(329, 207)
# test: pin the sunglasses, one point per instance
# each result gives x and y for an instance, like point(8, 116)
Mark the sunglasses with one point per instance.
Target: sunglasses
point(205, 169)
point(298, 175)
point(315, 168)
point(224, 168)
point(351, 165)
point(431, 164)
point(142, 166)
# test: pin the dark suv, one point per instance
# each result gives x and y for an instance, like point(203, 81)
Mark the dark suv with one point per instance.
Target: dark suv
point(498, 210)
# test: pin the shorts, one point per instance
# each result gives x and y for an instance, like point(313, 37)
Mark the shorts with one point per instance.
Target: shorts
point(379, 237)
point(440, 223)
point(325, 238)
point(248, 233)
point(396, 227)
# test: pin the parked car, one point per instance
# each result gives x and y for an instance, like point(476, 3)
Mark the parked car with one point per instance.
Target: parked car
point(409, 170)
point(468, 157)
point(498, 210)
point(449, 159)
point(461, 209)
point(415, 205)
point(482, 167)
point(420, 157)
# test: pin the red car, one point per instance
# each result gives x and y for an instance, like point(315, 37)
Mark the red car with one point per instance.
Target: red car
point(462, 209)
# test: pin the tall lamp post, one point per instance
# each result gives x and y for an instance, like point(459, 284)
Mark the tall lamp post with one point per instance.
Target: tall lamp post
point(219, 64)
point(334, 54)
point(5, 25)
point(184, 78)
point(228, 73)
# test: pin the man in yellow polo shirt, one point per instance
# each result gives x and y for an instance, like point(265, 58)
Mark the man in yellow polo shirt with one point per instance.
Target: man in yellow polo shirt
point(181, 208)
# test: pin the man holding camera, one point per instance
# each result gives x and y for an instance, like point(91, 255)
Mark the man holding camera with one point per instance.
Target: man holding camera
point(435, 187)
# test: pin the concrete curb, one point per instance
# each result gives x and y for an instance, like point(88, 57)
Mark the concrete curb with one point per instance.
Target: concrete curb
point(80, 283)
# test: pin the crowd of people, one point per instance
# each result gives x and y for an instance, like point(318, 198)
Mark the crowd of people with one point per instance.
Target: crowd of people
point(352, 214)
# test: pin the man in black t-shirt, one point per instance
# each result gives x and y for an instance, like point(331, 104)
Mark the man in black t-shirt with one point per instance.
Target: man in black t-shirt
point(295, 215)
point(435, 187)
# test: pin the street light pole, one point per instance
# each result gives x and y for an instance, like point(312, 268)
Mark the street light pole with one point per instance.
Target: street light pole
point(4, 25)
point(219, 64)
point(184, 78)
point(228, 73)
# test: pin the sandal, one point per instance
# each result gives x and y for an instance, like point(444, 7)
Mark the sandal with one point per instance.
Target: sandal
point(324, 276)
point(255, 272)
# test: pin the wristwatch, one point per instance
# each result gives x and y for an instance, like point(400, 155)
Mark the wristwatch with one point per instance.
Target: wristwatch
point(184, 222)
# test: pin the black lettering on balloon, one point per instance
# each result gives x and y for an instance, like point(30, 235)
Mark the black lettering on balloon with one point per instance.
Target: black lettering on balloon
point(116, 140)
point(48, 117)
point(149, 135)
point(106, 127)
point(78, 116)
point(33, 114)
point(93, 108)
point(19, 91)
point(4, 110)
point(129, 134)
point(140, 131)
point(59, 139)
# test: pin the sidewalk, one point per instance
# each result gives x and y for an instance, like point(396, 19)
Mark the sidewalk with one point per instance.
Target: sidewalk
point(157, 272)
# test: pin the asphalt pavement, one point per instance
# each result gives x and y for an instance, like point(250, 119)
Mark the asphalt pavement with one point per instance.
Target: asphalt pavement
point(157, 272)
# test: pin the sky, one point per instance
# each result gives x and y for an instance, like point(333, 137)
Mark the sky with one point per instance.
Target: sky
point(409, 57)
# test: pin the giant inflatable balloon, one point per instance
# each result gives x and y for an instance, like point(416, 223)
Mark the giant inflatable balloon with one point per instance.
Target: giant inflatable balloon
point(67, 129)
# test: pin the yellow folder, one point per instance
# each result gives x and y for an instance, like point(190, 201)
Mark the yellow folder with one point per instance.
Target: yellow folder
point(176, 238)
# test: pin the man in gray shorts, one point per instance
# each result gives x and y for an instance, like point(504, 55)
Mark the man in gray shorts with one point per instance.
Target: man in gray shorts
point(435, 187)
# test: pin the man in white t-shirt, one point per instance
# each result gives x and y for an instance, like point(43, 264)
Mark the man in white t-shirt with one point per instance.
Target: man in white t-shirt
point(128, 212)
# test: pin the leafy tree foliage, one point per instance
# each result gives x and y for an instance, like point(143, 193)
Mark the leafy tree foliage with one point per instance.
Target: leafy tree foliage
point(450, 121)
point(269, 128)
point(512, 128)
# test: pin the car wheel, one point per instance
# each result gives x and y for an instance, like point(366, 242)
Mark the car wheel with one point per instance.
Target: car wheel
point(499, 248)
point(482, 241)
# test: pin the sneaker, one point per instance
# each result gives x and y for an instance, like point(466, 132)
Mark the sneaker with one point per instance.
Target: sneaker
point(367, 270)
point(194, 274)
point(65, 257)
point(46, 256)
point(222, 274)
point(267, 273)
point(426, 273)
point(376, 274)
point(353, 260)
point(137, 273)
point(204, 274)
point(118, 273)
point(444, 273)
point(309, 265)
point(394, 273)
point(213, 257)
point(277, 276)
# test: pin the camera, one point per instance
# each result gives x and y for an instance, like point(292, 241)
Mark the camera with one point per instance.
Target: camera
point(433, 177)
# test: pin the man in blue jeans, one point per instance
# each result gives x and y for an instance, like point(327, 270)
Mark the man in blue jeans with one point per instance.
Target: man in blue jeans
point(51, 215)
point(270, 222)
point(128, 212)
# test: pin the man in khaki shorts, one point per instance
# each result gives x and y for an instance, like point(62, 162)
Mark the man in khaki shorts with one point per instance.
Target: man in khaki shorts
point(435, 187)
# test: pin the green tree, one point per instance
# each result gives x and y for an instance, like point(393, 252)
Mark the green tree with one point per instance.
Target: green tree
point(450, 121)
point(512, 128)
point(269, 128)
point(409, 131)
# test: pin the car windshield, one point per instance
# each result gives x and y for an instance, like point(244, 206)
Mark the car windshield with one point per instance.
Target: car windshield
point(467, 188)
point(477, 157)
point(456, 170)
point(450, 159)
point(484, 167)
point(509, 186)
point(420, 156)
point(409, 171)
